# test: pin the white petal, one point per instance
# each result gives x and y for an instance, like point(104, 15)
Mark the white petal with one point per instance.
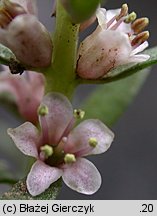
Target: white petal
point(26, 138)
point(60, 113)
point(139, 58)
point(112, 13)
point(140, 48)
point(101, 16)
point(82, 176)
point(78, 139)
point(41, 177)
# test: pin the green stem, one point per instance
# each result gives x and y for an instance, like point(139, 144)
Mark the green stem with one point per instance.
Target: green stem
point(60, 76)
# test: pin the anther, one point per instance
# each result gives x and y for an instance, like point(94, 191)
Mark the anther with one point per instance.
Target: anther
point(123, 12)
point(140, 24)
point(93, 142)
point(131, 17)
point(43, 110)
point(47, 150)
point(13, 8)
point(79, 114)
point(69, 158)
point(140, 38)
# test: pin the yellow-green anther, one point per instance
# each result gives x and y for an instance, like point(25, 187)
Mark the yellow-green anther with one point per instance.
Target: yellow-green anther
point(93, 142)
point(69, 158)
point(123, 12)
point(130, 18)
point(79, 114)
point(47, 150)
point(43, 110)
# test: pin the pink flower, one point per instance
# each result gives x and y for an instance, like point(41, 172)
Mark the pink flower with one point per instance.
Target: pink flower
point(27, 91)
point(22, 32)
point(59, 149)
point(116, 41)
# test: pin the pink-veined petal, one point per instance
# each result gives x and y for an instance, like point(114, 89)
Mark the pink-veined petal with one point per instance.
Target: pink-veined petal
point(82, 176)
point(41, 177)
point(60, 114)
point(101, 56)
point(26, 138)
point(27, 90)
point(78, 139)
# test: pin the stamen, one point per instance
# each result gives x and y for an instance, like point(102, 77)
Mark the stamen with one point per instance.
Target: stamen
point(47, 150)
point(93, 142)
point(140, 24)
point(130, 18)
point(79, 114)
point(43, 110)
point(140, 38)
point(69, 158)
point(8, 10)
point(123, 12)
point(5, 18)
point(13, 8)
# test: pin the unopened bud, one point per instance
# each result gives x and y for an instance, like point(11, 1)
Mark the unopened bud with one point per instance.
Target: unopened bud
point(140, 24)
point(93, 142)
point(79, 114)
point(140, 38)
point(43, 110)
point(123, 12)
point(130, 18)
point(69, 158)
point(29, 40)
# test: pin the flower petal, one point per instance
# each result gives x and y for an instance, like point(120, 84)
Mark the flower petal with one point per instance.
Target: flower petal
point(41, 177)
point(26, 138)
point(60, 114)
point(82, 176)
point(140, 48)
point(78, 139)
point(27, 90)
point(101, 16)
point(101, 56)
point(138, 58)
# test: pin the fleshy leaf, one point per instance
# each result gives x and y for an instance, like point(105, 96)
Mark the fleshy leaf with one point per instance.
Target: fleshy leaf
point(19, 192)
point(114, 98)
point(80, 10)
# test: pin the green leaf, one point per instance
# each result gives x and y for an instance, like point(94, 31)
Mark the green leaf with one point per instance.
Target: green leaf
point(80, 10)
point(19, 192)
point(109, 101)
point(6, 55)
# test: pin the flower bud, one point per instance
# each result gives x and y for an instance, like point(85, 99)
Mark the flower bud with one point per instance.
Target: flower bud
point(29, 41)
